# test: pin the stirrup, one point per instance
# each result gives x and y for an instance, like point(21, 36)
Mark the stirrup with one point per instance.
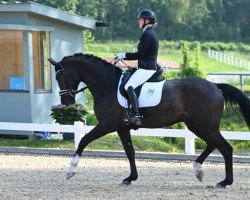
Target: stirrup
point(134, 119)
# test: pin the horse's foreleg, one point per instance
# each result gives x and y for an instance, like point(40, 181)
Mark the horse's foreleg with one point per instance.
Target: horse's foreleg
point(73, 163)
point(198, 162)
point(94, 134)
point(129, 149)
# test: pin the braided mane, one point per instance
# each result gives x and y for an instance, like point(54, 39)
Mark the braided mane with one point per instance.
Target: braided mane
point(87, 56)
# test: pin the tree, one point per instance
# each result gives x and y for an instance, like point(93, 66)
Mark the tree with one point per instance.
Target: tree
point(70, 6)
point(191, 66)
point(88, 38)
point(192, 20)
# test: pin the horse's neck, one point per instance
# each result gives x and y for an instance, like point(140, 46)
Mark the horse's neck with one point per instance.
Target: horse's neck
point(103, 82)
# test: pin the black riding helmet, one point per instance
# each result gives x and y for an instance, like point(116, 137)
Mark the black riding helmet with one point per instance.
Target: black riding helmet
point(147, 14)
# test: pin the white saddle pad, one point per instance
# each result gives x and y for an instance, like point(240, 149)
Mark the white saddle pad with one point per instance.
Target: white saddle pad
point(150, 95)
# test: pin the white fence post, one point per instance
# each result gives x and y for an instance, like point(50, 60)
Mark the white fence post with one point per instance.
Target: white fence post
point(78, 128)
point(190, 143)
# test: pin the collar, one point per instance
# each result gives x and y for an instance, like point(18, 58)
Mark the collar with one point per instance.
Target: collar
point(146, 27)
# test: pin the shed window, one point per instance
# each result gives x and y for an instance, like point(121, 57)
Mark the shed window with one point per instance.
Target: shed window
point(41, 53)
point(11, 60)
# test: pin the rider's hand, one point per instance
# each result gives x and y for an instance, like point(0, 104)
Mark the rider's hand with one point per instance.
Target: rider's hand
point(120, 56)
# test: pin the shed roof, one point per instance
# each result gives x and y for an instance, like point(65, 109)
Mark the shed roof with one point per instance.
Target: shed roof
point(46, 11)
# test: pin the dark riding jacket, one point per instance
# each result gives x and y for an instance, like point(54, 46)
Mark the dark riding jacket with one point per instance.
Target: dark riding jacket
point(147, 50)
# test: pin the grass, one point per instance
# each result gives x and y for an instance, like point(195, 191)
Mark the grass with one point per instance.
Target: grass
point(109, 142)
point(112, 142)
point(61, 144)
point(209, 65)
point(150, 144)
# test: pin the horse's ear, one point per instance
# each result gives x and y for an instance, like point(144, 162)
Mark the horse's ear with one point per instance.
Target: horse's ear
point(53, 62)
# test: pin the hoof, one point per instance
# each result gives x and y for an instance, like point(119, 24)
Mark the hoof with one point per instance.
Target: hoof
point(70, 174)
point(124, 182)
point(199, 175)
point(218, 185)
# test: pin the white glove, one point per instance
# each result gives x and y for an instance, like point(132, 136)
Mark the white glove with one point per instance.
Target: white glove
point(120, 56)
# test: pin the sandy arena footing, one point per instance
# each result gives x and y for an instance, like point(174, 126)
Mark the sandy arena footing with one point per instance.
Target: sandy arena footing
point(27, 177)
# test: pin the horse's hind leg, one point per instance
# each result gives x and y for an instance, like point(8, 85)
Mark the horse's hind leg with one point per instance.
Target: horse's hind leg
point(199, 161)
point(214, 139)
point(227, 151)
point(209, 149)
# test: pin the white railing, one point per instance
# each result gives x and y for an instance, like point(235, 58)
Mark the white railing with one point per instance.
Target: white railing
point(235, 79)
point(79, 129)
point(228, 59)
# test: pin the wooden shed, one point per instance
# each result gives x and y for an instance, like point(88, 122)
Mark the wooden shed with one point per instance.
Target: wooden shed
point(29, 34)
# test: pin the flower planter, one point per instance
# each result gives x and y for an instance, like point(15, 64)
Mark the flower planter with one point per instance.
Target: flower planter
point(68, 115)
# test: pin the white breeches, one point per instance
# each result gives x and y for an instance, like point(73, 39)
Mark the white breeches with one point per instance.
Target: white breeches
point(139, 77)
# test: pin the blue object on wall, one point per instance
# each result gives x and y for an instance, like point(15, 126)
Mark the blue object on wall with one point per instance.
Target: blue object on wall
point(42, 135)
point(17, 82)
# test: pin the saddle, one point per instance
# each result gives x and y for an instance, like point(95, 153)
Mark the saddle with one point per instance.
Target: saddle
point(157, 77)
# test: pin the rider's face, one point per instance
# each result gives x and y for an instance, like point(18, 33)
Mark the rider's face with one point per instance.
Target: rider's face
point(141, 22)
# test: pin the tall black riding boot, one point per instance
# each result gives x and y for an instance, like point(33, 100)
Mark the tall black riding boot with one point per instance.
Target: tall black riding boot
point(134, 117)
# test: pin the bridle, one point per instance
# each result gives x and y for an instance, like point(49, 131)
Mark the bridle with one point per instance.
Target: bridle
point(72, 92)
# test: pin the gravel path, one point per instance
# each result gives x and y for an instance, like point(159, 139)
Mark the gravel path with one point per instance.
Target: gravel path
point(43, 177)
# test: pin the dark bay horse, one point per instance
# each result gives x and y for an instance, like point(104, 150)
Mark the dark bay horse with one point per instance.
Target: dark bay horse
point(196, 102)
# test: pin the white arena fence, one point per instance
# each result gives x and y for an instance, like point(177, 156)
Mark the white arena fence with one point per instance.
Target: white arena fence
point(79, 129)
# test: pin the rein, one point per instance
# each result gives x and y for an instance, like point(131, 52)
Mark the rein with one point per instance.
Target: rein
point(72, 92)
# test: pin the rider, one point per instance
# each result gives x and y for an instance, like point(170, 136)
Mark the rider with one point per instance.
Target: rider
point(147, 51)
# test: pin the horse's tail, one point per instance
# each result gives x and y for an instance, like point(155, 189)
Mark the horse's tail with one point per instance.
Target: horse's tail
point(234, 97)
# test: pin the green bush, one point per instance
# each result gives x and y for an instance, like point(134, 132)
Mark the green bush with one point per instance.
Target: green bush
point(91, 119)
point(200, 144)
point(240, 144)
point(191, 66)
point(164, 44)
point(236, 144)
point(112, 46)
point(170, 75)
point(232, 120)
point(243, 48)
point(89, 100)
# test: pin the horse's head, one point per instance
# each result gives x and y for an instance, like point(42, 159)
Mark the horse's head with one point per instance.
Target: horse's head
point(68, 81)
point(99, 76)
